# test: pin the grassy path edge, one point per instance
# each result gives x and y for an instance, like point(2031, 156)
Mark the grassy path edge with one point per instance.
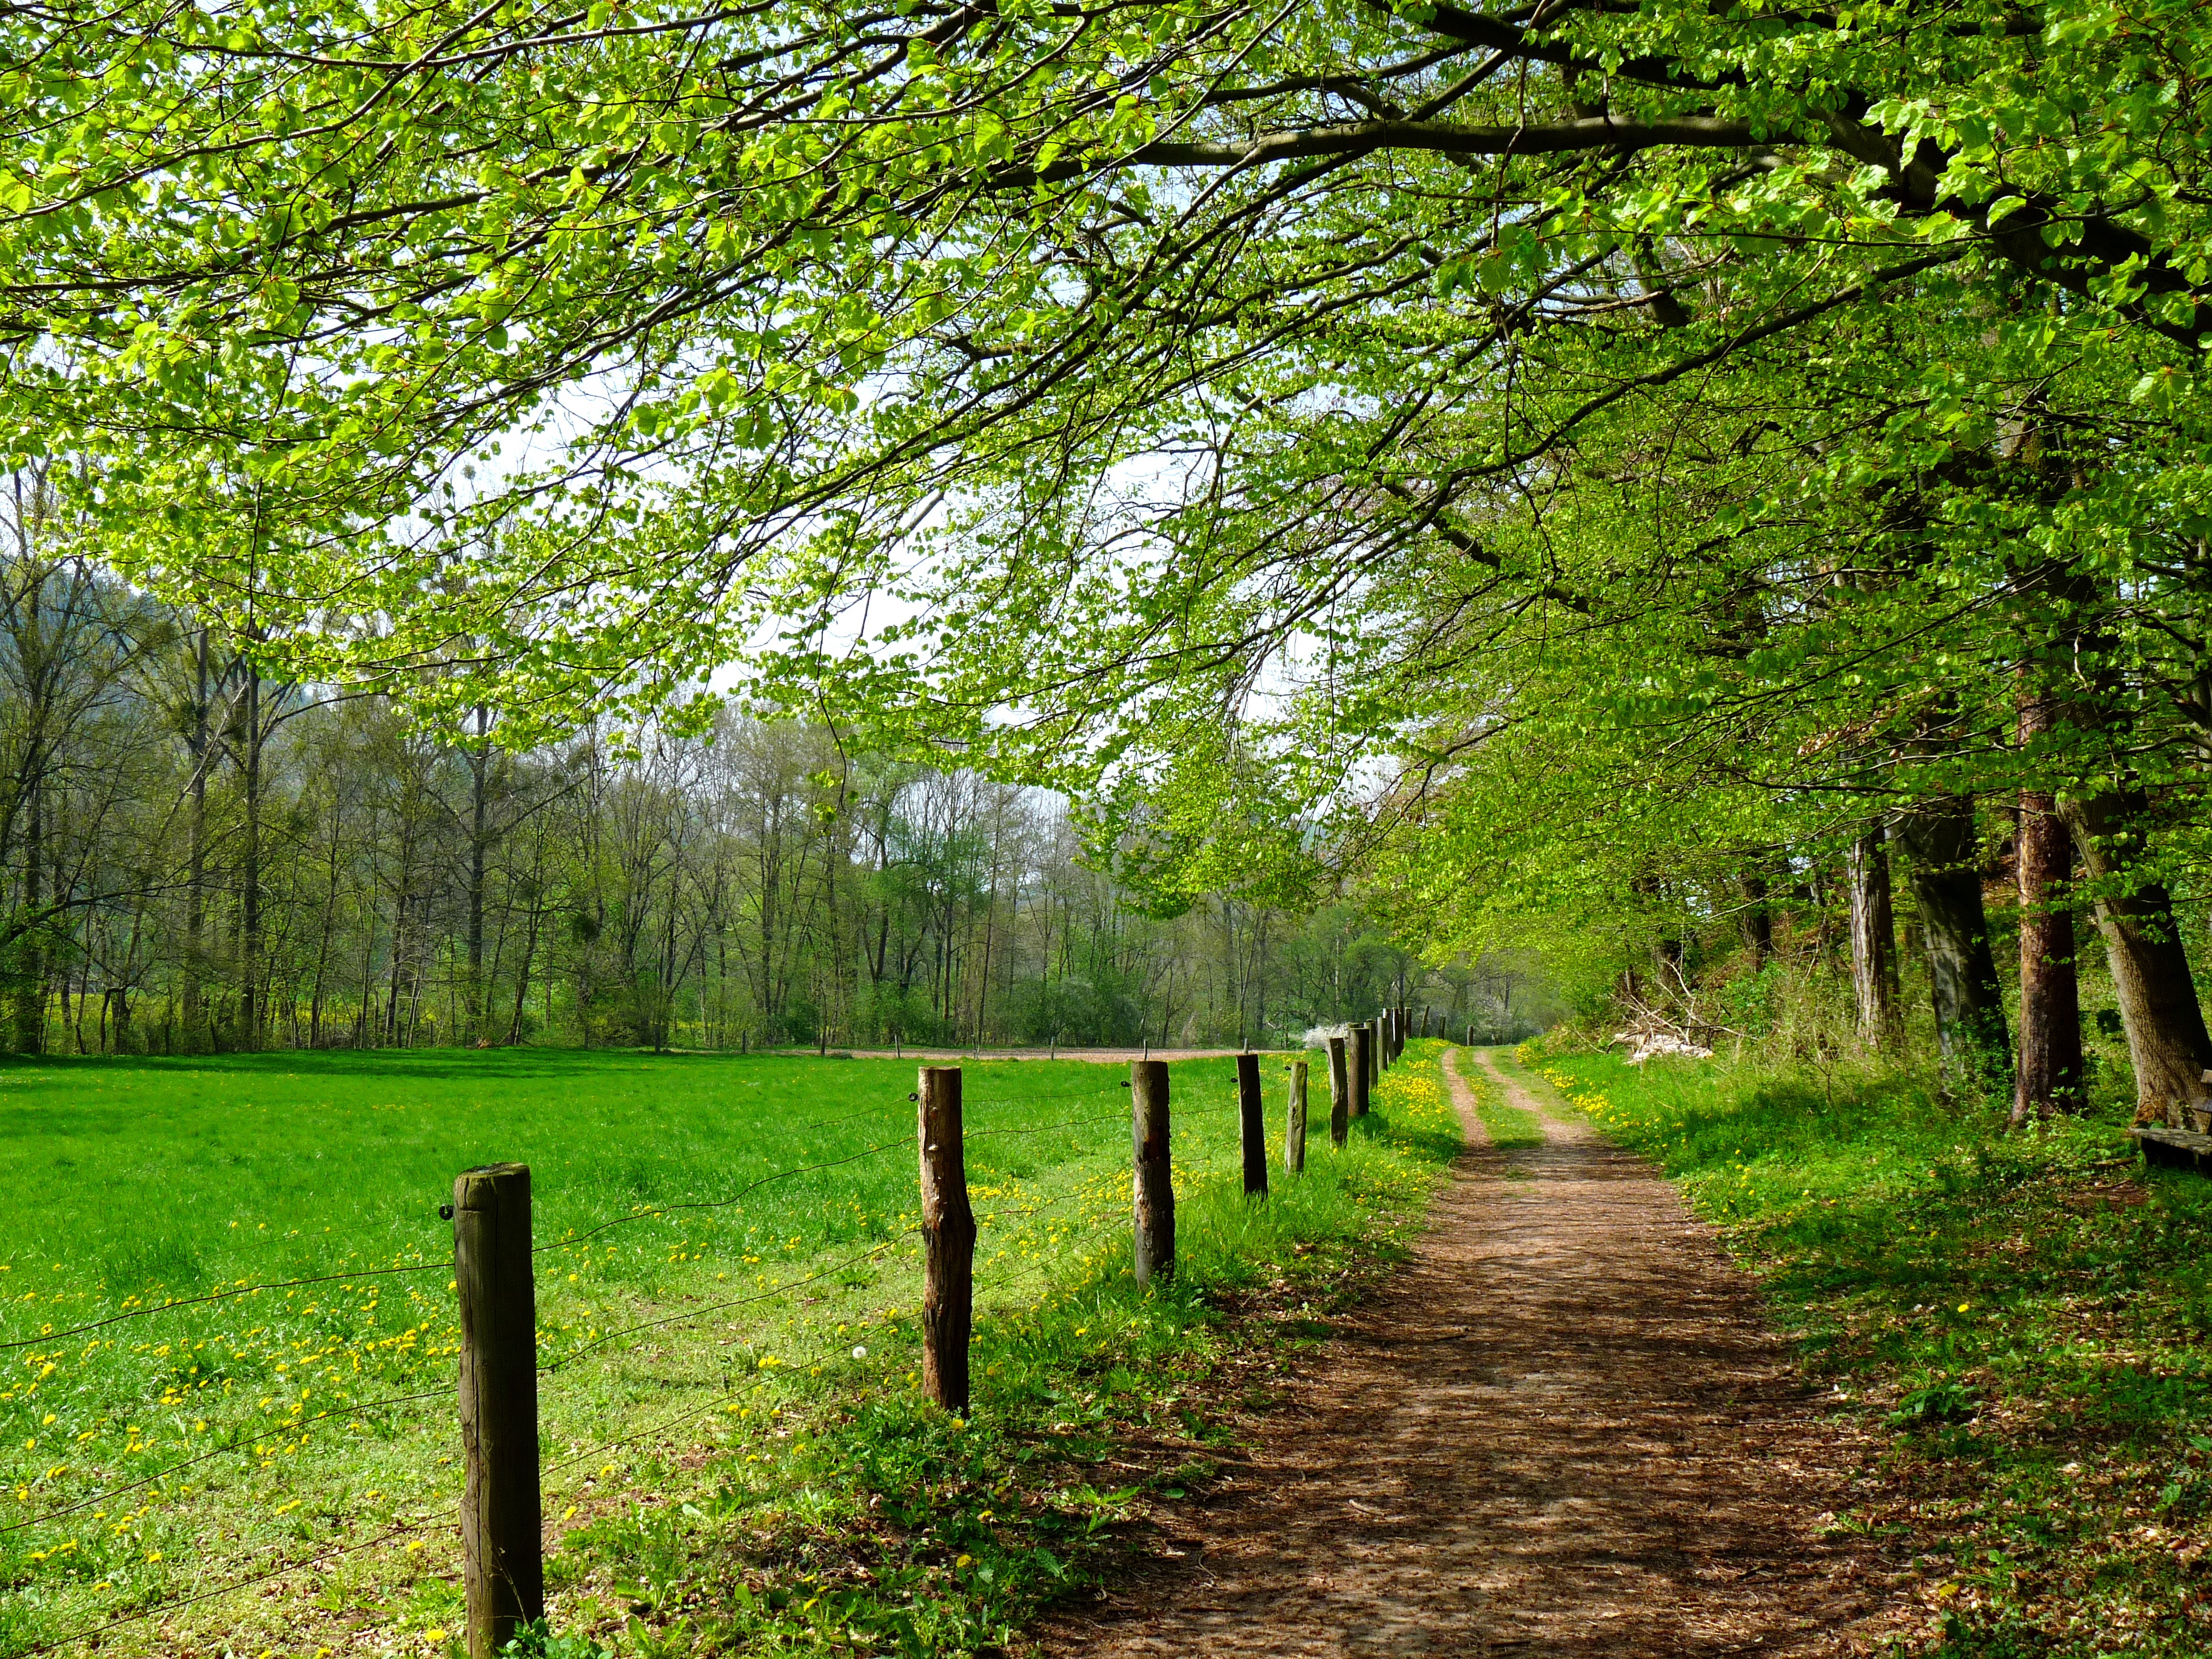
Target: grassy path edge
point(891, 1527)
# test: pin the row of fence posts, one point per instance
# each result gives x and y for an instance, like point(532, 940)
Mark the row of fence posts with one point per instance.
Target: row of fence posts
point(502, 1519)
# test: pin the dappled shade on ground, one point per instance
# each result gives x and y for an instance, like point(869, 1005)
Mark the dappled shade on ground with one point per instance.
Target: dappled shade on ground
point(1563, 1428)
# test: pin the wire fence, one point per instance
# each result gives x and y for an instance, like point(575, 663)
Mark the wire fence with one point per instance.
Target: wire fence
point(1016, 1209)
point(1023, 1212)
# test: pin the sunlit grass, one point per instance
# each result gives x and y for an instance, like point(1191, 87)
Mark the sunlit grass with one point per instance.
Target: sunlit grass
point(279, 1426)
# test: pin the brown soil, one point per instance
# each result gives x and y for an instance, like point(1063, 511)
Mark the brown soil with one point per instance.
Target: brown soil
point(1563, 1427)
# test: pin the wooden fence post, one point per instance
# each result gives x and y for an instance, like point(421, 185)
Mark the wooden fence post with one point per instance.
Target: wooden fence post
point(1339, 1092)
point(502, 1554)
point(1154, 1251)
point(1363, 1066)
point(948, 1237)
point(1294, 1121)
point(1252, 1118)
point(1373, 1028)
point(1380, 1046)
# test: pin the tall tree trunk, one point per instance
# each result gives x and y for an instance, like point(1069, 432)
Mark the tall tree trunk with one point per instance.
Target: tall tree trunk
point(30, 998)
point(1938, 836)
point(1758, 920)
point(195, 996)
point(2049, 1074)
point(2166, 1038)
point(1874, 942)
point(479, 767)
point(252, 1016)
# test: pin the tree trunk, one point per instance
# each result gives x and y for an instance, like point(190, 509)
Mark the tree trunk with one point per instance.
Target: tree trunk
point(2166, 1038)
point(1758, 920)
point(195, 996)
point(479, 767)
point(1874, 941)
point(30, 998)
point(2050, 1075)
point(252, 1017)
point(1938, 836)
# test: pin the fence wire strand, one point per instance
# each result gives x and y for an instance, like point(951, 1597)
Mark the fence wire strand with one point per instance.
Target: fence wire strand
point(238, 1444)
point(771, 1292)
point(659, 1210)
point(224, 1296)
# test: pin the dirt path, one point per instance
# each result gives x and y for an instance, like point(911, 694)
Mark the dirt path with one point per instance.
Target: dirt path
point(1562, 1428)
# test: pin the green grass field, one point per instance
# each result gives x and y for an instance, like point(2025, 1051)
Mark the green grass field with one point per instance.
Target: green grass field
point(710, 1371)
point(2018, 1319)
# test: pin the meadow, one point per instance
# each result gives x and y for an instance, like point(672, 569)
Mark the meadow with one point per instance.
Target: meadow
point(225, 1302)
point(2018, 1320)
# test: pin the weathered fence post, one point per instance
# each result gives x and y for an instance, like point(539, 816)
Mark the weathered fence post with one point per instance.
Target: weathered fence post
point(1363, 1066)
point(1294, 1121)
point(1373, 1028)
point(502, 1556)
point(948, 1238)
point(1380, 1046)
point(1252, 1117)
point(1470, 1033)
point(1154, 1251)
point(1339, 1092)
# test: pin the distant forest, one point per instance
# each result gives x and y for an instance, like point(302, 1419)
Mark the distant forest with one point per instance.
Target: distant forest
point(196, 859)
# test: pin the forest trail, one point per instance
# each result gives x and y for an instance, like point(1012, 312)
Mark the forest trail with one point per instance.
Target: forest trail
point(1563, 1427)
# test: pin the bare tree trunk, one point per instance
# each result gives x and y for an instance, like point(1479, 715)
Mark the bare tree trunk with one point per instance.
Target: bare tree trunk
point(1758, 920)
point(1938, 835)
point(2166, 1038)
point(252, 1016)
point(479, 767)
point(2049, 1074)
point(31, 958)
point(2050, 1077)
point(1874, 941)
point(195, 996)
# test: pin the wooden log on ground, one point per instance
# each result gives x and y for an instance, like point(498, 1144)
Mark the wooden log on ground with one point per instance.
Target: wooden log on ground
point(1154, 1250)
point(948, 1237)
point(502, 1551)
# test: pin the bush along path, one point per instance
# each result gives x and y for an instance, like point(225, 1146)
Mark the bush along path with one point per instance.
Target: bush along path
point(1563, 1427)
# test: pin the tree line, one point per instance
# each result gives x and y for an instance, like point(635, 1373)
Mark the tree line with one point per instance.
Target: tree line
point(195, 857)
point(1735, 464)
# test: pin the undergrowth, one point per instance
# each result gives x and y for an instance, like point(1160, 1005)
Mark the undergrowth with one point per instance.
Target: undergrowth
point(2020, 1318)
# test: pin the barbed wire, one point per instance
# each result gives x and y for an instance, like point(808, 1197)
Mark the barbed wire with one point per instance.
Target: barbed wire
point(659, 1210)
point(413, 1524)
point(223, 1296)
point(240, 1437)
point(767, 1294)
point(1043, 1129)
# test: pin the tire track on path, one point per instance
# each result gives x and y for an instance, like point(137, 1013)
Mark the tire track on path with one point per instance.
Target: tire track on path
point(1563, 1427)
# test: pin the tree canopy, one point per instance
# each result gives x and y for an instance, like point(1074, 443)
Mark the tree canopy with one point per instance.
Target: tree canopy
point(1625, 407)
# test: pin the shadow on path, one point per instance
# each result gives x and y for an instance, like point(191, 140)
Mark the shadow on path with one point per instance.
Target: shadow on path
point(1562, 1428)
